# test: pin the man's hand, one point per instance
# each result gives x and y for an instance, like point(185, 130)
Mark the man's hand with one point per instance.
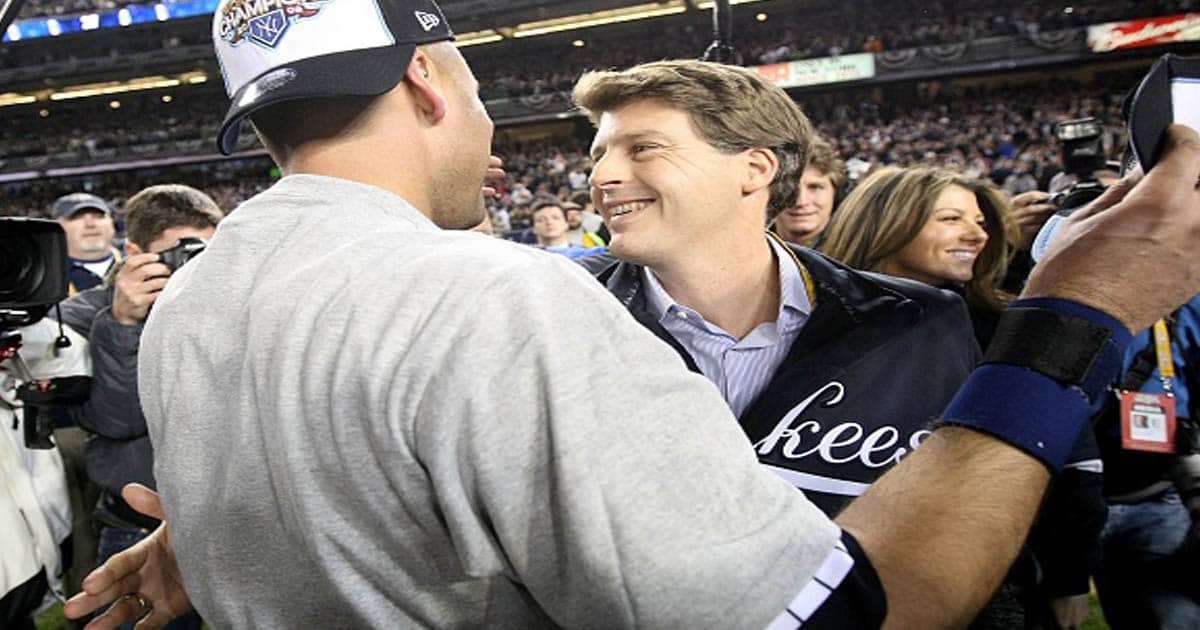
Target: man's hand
point(1070, 612)
point(1030, 213)
point(1132, 252)
point(146, 572)
point(138, 284)
point(495, 173)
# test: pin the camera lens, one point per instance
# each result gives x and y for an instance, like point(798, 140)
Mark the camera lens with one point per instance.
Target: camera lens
point(20, 274)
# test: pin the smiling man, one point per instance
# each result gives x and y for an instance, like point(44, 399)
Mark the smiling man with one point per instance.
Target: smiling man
point(834, 374)
point(804, 223)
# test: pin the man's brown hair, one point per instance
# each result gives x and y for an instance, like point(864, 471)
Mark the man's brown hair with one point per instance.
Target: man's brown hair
point(822, 157)
point(548, 203)
point(159, 208)
point(733, 109)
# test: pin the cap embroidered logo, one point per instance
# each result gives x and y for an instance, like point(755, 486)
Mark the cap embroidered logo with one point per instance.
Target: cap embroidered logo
point(266, 29)
point(428, 21)
point(264, 23)
point(301, 49)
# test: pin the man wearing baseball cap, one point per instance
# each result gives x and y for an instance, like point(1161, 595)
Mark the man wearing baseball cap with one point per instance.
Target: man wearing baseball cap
point(363, 419)
point(88, 222)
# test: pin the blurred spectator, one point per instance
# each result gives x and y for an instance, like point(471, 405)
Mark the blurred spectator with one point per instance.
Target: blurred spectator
point(805, 222)
point(550, 227)
point(88, 222)
point(577, 234)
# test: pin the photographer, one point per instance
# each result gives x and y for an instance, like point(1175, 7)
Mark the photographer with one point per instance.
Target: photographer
point(1150, 543)
point(119, 451)
point(1148, 442)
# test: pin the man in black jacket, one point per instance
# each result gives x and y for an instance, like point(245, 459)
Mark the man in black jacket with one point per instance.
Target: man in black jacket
point(839, 373)
point(111, 315)
point(834, 374)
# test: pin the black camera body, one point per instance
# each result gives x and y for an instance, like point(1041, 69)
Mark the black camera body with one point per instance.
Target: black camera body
point(33, 278)
point(1082, 155)
point(33, 269)
point(182, 251)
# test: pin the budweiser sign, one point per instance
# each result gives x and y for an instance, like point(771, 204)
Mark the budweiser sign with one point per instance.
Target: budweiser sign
point(1141, 33)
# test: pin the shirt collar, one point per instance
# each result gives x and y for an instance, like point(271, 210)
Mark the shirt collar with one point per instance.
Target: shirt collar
point(794, 305)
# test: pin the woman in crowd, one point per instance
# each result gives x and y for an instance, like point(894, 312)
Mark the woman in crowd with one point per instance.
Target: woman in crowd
point(941, 228)
point(934, 226)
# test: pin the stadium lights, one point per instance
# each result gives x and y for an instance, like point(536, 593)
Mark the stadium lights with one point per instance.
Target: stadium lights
point(118, 87)
point(114, 87)
point(12, 98)
point(599, 18)
point(107, 88)
point(475, 38)
point(611, 16)
point(709, 5)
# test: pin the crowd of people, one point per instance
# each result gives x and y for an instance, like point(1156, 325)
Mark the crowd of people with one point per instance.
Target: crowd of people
point(51, 8)
point(927, 225)
point(1001, 133)
point(341, 381)
point(534, 68)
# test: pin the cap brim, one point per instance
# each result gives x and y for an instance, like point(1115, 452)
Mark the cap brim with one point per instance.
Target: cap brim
point(363, 72)
point(77, 209)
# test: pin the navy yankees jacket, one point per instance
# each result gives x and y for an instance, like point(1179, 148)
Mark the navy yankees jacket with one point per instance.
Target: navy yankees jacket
point(877, 361)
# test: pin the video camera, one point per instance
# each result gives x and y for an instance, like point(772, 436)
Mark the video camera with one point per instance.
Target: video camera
point(1082, 155)
point(33, 269)
point(33, 278)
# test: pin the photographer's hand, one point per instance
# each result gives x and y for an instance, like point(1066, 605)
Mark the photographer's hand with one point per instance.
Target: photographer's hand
point(140, 582)
point(1030, 213)
point(1132, 252)
point(137, 285)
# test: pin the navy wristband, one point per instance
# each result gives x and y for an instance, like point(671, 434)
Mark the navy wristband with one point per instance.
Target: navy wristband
point(1030, 410)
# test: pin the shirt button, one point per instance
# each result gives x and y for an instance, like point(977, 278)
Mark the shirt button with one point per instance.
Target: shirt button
point(681, 314)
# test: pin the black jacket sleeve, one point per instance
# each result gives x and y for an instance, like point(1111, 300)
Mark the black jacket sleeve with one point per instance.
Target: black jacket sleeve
point(113, 410)
point(1066, 539)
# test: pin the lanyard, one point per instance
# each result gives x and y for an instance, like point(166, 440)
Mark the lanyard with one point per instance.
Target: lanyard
point(1162, 350)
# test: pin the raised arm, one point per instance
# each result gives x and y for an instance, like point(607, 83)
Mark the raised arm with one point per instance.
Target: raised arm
point(943, 527)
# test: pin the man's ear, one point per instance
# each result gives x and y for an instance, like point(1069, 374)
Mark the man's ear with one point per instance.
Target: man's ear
point(760, 166)
point(132, 249)
point(419, 78)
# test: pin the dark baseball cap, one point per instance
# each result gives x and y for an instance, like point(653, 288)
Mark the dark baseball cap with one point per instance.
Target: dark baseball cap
point(272, 51)
point(66, 206)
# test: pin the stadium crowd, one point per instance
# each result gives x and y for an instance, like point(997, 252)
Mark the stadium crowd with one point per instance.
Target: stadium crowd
point(1000, 133)
point(790, 34)
point(910, 224)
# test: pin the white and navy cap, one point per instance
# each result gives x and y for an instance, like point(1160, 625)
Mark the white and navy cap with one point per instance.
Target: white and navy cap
point(281, 50)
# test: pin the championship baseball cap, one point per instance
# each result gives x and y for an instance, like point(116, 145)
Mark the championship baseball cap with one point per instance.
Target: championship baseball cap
point(66, 206)
point(280, 50)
